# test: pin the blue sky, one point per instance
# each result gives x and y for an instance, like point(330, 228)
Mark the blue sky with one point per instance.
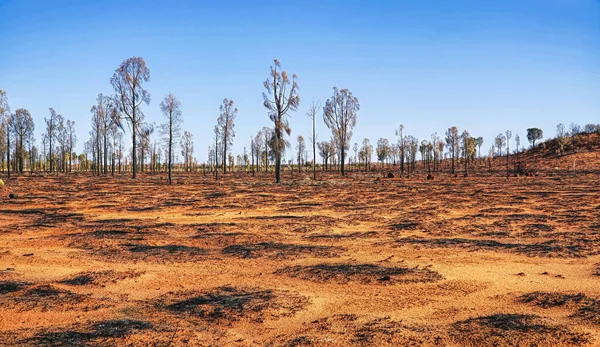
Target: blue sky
point(484, 66)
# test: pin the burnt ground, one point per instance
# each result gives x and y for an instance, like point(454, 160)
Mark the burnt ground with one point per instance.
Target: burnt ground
point(477, 261)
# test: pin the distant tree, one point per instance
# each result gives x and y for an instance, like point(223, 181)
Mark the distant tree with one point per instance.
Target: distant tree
point(300, 148)
point(22, 126)
point(217, 139)
point(561, 137)
point(367, 150)
point(128, 81)
point(32, 150)
point(479, 143)
point(51, 125)
point(339, 115)
point(280, 98)
point(591, 128)
point(517, 141)
point(382, 149)
point(326, 151)
point(62, 141)
point(434, 147)
point(412, 147)
point(534, 134)
point(468, 148)
point(98, 112)
point(6, 126)
point(187, 149)
point(440, 149)
point(171, 129)
point(508, 137)
point(500, 141)
point(72, 141)
point(400, 134)
point(226, 122)
point(312, 114)
point(452, 139)
point(146, 132)
point(574, 130)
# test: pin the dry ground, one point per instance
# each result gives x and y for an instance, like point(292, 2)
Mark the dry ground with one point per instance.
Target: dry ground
point(457, 261)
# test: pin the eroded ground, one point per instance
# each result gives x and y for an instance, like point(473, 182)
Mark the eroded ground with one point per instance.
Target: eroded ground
point(457, 261)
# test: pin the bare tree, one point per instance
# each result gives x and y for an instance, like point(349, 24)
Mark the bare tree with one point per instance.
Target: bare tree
point(312, 114)
point(468, 147)
point(217, 139)
point(22, 126)
point(561, 137)
point(400, 134)
point(127, 82)
point(171, 109)
point(339, 115)
point(6, 119)
point(479, 143)
point(51, 125)
point(500, 141)
point(517, 141)
point(283, 98)
point(226, 123)
point(326, 151)
point(300, 149)
point(187, 149)
point(508, 137)
point(452, 142)
point(146, 131)
point(367, 150)
point(72, 140)
point(574, 130)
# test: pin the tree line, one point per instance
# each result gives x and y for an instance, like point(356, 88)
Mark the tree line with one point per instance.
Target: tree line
point(112, 115)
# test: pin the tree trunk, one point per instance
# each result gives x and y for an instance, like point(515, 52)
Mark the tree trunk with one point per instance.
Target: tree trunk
point(133, 131)
point(343, 159)
point(278, 159)
point(7, 152)
point(170, 145)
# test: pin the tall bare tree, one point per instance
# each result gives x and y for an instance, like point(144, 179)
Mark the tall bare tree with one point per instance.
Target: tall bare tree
point(300, 149)
point(51, 125)
point(339, 115)
point(452, 139)
point(187, 149)
point(508, 137)
point(171, 109)
point(226, 122)
point(72, 136)
point(326, 150)
point(400, 134)
point(479, 143)
point(6, 119)
point(313, 109)
point(217, 140)
point(500, 141)
point(367, 151)
point(22, 126)
point(469, 145)
point(128, 81)
point(280, 98)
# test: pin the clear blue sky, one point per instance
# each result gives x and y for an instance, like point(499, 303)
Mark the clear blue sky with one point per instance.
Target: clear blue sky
point(484, 66)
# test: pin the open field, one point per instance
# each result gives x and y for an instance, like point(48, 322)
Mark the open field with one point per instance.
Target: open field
point(477, 261)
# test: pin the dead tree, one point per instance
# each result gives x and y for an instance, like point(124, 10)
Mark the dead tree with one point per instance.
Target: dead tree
point(340, 116)
point(281, 97)
point(130, 94)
